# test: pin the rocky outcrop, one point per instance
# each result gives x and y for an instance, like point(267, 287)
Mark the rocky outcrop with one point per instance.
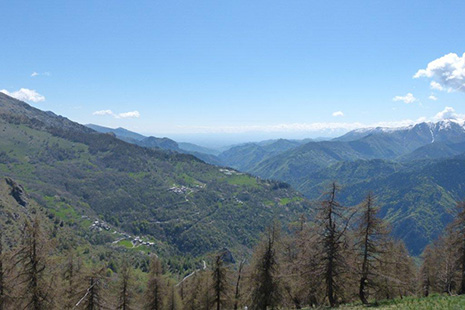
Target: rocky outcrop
point(17, 192)
point(227, 256)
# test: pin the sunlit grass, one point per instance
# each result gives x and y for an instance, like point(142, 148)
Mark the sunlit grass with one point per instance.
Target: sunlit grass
point(433, 302)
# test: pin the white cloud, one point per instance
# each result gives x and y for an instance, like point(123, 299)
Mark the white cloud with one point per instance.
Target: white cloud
point(132, 114)
point(449, 70)
point(103, 112)
point(338, 113)
point(34, 74)
point(448, 113)
point(409, 98)
point(25, 94)
point(433, 97)
point(436, 85)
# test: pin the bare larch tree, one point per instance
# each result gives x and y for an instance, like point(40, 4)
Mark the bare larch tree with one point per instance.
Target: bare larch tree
point(266, 288)
point(31, 259)
point(155, 287)
point(220, 281)
point(125, 288)
point(371, 235)
point(333, 225)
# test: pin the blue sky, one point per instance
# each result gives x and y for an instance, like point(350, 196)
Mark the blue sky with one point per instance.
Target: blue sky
point(234, 70)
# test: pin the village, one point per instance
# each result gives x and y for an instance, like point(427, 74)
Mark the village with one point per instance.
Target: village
point(100, 225)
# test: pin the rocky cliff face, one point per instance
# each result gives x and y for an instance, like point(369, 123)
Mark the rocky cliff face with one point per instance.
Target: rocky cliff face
point(17, 192)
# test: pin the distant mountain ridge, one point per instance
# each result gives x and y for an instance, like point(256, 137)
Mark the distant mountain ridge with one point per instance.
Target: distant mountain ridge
point(243, 156)
point(167, 144)
point(435, 130)
point(121, 133)
point(378, 143)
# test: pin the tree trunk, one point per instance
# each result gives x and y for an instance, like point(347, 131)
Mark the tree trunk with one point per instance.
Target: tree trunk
point(462, 282)
point(364, 279)
point(236, 295)
point(361, 292)
point(2, 281)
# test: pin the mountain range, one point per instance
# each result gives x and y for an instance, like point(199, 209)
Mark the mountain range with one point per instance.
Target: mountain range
point(187, 199)
point(416, 171)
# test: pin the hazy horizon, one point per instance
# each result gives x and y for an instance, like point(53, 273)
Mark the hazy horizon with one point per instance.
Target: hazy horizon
point(261, 69)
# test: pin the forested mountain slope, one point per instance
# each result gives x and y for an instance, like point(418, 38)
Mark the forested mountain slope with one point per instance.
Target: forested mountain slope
point(245, 157)
point(417, 198)
point(177, 199)
point(412, 170)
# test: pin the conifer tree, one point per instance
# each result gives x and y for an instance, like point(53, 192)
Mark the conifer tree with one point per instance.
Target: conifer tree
point(237, 292)
point(439, 270)
point(155, 287)
point(458, 230)
point(191, 292)
point(173, 301)
point(92, 297)
point(266, 287)
point(125, 292)
point(31, 258)
point(293, 269)
point(372, 236)
point(2, 274)
point(405, 270)
point(398, 271)
point(71, 281)
point(427, 271)
point(310, 258)
point(206, 297)
point(94, 300)
point(220, 281)
point(198, 291)
point(333, 224)
point(445, 263)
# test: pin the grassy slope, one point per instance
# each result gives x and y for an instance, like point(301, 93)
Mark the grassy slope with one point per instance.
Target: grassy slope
point(436, 302)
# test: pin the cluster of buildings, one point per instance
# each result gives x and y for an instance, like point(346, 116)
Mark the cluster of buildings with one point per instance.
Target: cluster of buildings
point(238, 200)
point(99, 225)
point(229, 171)
point(179, 189)
point(138, 241)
